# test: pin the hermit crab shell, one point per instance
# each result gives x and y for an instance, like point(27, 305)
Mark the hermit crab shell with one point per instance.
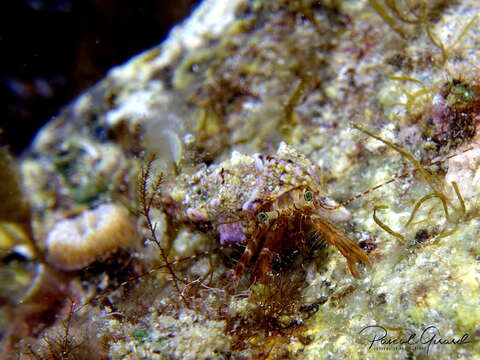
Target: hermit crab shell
point(230, 193)
point(245, 182)
point(91, 236)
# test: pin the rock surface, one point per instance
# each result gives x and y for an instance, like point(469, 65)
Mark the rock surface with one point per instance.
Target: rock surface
point(244, 76)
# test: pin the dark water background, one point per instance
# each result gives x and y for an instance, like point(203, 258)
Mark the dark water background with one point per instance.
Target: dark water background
point(52, 50)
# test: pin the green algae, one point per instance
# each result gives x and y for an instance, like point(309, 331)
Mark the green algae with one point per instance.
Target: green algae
point(93, 191)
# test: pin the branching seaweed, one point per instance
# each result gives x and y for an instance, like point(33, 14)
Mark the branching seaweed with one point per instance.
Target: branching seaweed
point(424, 16)
point(289, 107)
point(387, 18)
point(460, 197)
point(435, 184)
point(383, 225)
point(63, 345)
point(147, 197)
point(391, 14)
point(419, 203)
point(444, 49)
point(392, 5)
point(437, 43)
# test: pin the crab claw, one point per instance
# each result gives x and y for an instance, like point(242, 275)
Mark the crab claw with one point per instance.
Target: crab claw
point(347, 247)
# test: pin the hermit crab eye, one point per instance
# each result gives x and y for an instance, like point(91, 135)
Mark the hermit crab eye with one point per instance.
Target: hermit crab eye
point(308, 196)
point(262, 216)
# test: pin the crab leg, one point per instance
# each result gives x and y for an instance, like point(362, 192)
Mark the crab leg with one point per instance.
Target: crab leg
point(300, 241)
point(250, 250)
point(347, 247)
point(271, 247)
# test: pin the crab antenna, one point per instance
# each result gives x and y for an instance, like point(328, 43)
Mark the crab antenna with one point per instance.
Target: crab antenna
point(403, 175)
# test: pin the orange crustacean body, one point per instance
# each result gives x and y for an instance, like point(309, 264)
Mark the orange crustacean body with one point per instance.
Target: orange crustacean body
point(289, 218)
point(268, 204)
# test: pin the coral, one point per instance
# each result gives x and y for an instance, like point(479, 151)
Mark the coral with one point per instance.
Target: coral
point(91, 236)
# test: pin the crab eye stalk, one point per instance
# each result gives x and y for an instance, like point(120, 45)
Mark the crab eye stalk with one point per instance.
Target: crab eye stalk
point(308, 195)
point(262, 216)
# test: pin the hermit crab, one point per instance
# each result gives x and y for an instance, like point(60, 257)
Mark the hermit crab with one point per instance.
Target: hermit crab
point(285, 222)
point(268, 204)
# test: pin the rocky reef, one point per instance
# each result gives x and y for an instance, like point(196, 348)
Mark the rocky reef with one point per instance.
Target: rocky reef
point(359, 93)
